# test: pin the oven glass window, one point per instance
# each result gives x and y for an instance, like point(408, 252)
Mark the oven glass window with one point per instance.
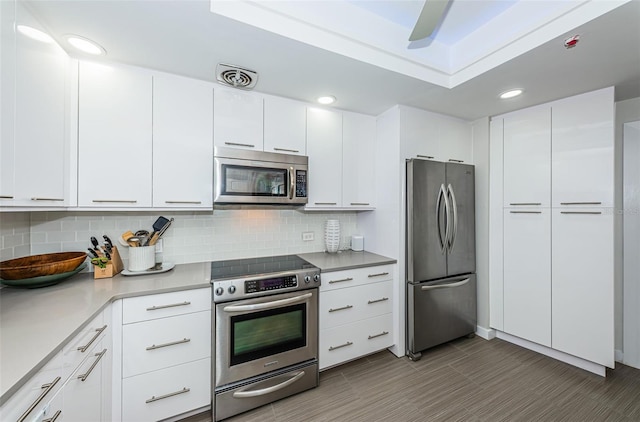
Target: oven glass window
point(261, 334)
point(254, 181)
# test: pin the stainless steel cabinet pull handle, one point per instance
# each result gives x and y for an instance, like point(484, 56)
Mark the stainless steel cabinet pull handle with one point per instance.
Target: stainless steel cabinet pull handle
point(285, 149)
point(377, 275)
point(430, 157)
point(326, 203)
point(183, 202)
point(340, 309)
point(173, 305)
point(47, 387)
point(580, 212)
point(98, 332)
point(525, 203)
point(83, 377)
point(340, 280)
point(240, 145)
point(264, 391)
point(525, 212)
point(359, 203)
point(116, 201)
point(6, 197)
point(377, 300)
point(47, 199)
point(580, 203)
point(442, 286)
point(455, 161)
point(154, 398)
point(267, 305)
point(292, 183)
point(332, 348)
point(384, 333)
point(173, 343)
point(54, 417)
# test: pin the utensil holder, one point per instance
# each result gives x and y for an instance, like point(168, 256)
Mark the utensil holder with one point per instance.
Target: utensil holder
point(141, 258)
point(112, 267)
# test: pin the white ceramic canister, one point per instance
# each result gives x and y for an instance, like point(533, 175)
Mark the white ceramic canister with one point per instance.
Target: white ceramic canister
point(142, 258)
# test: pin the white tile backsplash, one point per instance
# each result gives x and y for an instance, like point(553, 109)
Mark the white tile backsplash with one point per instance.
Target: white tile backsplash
point(14, 235)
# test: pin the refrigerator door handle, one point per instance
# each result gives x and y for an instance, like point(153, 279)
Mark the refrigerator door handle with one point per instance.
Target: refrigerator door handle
point(454, 206)
point(441, 194)
point(443, 286)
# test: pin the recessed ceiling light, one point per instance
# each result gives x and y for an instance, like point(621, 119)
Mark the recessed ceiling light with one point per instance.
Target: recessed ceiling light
point(34, 34)
point(511, 93)
point(327, 99)
point(85, 45)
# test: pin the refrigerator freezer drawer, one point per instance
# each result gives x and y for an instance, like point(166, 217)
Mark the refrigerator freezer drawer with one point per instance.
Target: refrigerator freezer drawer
point(440, 311)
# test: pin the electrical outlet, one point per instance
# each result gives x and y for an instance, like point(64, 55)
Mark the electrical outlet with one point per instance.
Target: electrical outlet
point(159, 246)
point(307, 236)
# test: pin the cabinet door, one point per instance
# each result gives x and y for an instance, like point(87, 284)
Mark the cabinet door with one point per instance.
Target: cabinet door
point(238, 119)
point(454, 139)
point(115, 144)
point(40, 115)
point(285, 125)
point(182, 142)
point(83, 392)
point(324, 147)
point(582, 149)
point(582, 288)
point(527, 157)
point(527, 274)
point(358, 160)
point(7, 100)
point(418, 134)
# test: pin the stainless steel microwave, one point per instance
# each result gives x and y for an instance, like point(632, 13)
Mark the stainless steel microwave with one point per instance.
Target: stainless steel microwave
point(243, 177)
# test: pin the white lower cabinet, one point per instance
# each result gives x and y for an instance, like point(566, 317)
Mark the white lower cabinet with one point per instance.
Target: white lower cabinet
point(355, 313)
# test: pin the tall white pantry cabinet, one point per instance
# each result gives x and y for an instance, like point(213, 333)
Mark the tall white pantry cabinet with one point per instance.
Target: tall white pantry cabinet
point(552, 227)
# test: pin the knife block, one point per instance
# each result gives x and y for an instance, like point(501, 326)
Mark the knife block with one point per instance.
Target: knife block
point(113, 266)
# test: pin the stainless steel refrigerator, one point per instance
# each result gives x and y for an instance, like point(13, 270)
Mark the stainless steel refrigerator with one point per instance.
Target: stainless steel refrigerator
point(440, 251)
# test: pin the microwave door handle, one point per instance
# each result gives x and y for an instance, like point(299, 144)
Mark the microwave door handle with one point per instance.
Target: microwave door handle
point(267, 305)
point(292, 182)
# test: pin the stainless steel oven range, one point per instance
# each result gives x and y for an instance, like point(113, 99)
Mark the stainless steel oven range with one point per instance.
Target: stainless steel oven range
point(265, 330)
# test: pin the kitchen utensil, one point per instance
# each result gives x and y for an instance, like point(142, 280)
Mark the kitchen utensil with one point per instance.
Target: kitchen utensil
point(93, 253)
point(134, 241)
point(109, 242)
point(95, 243)
point(160, 223)
point(141, 233)
point(41, 265)
point(106, 253)
point(100, 262)
point(44, 280)
point(126, 236)
point(165, 227)
point(107, 247)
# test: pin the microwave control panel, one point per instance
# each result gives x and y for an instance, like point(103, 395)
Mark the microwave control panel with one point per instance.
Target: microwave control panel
point(301, 183)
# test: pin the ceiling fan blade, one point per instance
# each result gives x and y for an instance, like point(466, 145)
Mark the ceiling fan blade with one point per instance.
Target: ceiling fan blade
point(429, 18)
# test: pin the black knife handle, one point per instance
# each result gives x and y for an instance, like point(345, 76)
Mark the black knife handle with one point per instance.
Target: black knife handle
point(93, 253)
point(106, 239)
point(94, 241)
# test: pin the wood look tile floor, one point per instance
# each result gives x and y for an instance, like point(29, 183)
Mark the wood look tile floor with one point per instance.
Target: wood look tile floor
point(465, 380)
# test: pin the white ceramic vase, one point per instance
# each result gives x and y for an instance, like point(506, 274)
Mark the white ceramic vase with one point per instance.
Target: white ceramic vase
point(332, 235)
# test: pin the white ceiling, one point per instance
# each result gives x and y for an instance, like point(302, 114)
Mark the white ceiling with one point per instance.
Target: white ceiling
point(357, 50)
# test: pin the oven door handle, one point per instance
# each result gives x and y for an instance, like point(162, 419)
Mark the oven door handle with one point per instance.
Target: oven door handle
point(266, 305)
point(268, 390)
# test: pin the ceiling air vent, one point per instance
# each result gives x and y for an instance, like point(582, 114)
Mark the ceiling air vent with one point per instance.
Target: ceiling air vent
point(236, 77)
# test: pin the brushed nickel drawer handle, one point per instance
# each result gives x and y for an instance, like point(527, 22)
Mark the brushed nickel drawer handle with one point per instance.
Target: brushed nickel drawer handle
point(239, 144)
point(580, 212)
point(54, 417)
point(173, 343)
point(116, 201)
point(377, 275)
point(46, 199)
point(378, 300)
point(47, 387)
point(173, 305)
point(332, 348)
point(84, 376)
point(183, 202)
point(326, 203)
point(340, 309)
point(453, 160)
point(525, 203)
point(98, 332)
point(341, 280)
point(525, 212)
point(430, 157)
point(154, 398)
point(384, 333)
point(580, 203)
point(6, 197)
point(360, 203)
point(285, 149)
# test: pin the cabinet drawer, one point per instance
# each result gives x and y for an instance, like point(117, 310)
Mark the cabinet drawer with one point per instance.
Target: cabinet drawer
point(347, 342)
point(152, 345)
point(83, 344)
point(163, 305)
point(161, 394)
point(343, 306)
point(356, 277)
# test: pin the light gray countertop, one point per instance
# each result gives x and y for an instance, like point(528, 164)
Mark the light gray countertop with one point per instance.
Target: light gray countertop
point(36, 323)
point(345, 260)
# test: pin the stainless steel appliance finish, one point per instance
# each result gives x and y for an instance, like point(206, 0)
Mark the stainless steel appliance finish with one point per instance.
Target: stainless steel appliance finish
point(441, 291)
point(244, 177)
point(265, 329)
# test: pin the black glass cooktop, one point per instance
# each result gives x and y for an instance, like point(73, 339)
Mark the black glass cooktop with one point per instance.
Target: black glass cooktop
point(249, 267)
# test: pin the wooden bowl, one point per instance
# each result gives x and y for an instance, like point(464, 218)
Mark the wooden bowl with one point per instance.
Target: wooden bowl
point(41, 265)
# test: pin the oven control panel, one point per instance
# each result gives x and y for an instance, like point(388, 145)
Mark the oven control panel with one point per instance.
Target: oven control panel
point(264, 285)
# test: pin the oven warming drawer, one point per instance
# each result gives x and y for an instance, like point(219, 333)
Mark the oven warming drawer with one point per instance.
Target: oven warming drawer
point(239, 397)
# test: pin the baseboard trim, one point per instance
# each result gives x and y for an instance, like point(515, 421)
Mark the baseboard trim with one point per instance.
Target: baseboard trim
point(619, 356)
point(485, 333)
point(555, 354)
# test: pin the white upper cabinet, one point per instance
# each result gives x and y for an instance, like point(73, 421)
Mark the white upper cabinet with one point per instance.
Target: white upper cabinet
point(182, 142)
point(238, 119)
point(324, 147)
point(115, 140)
point(582, 149)
point(454, 140)
point(285, 126)
point(7, 103)
point(358, 160)
point(527, 157)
